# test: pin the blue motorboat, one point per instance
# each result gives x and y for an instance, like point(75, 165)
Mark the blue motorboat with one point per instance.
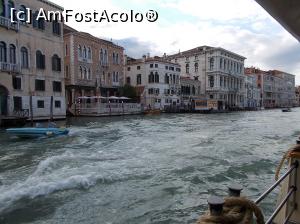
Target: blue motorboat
point(36, 132)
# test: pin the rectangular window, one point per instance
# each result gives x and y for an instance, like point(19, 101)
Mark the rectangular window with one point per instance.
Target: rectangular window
point(39, 85)
point(128, 69)
point(40, 104)
point(156, 65)
point(139, 79)
point(57, 104)
point(150, 91)
point(17, 82)
point(17, 103)
point(56, 86)
point(138, 67)
point(56, 28)
point(151, 65)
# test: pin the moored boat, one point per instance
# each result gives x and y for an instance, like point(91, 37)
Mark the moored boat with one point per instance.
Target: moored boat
point(152, 112)
point(287, 110)
point(37, 132)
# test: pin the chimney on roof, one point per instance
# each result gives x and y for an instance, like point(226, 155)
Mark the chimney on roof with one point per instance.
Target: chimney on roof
point(148, 55)
point(165, 55)
point(144, 58)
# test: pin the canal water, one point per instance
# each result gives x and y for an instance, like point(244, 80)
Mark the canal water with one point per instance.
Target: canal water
point(141, 169)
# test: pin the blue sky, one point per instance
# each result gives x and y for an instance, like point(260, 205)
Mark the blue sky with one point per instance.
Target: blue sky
point(241, 26)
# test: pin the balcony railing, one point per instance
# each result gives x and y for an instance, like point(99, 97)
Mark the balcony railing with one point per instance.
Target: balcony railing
point(5, 22)
point(8, 67)
point(89, 83)
point(23, 113)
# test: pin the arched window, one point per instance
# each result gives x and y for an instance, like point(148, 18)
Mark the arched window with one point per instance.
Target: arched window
point(114, 77)
point(24, 57)
point(80, 72)
point(79, 51)
point(3, 57)
point(84, 52)
point(221, 63)
point(196, 67)
point(187, 68)
point(211, 63)
point(128, 80)
point(101, 56)
point(117, 59)
point(193, 90)
point(105, 57)
point(12, 54)
point(211, 81)
point(40, 60)
point(2, 8)
point(56, 63)
point(89, 53)
point(41, 24)
point(151, 77)
point(113, 58)
point(24, 15)
point(156, 77)
point(89, 74)
point(84, 73)
point(56, 27)
point(167, 78)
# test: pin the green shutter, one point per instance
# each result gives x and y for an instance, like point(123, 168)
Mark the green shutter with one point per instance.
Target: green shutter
point(1, 7)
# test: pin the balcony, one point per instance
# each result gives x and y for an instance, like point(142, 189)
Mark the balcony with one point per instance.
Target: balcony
point(8, 67)
point(5, 22)
point(87, 83)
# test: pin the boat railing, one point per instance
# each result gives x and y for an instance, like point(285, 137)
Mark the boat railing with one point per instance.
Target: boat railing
point(21, 113)
point(291, 191)
point(216, 203)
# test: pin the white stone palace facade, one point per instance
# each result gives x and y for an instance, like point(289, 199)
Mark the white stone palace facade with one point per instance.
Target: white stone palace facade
point(157, 79)
point(221, 73)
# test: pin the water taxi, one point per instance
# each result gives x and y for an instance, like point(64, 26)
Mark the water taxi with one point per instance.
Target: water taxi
point(38, 131)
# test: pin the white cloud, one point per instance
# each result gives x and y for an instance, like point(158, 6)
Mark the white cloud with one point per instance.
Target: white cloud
point(223, 10)
point(241, 26)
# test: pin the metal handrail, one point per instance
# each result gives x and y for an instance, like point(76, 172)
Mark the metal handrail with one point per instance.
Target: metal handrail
point(262, 197)
point(277, 210)
point(292, 189)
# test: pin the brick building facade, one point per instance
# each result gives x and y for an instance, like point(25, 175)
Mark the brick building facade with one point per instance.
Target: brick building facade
point(93, 66)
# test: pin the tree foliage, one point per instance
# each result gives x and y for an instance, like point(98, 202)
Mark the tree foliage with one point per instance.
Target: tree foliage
point(128, 91)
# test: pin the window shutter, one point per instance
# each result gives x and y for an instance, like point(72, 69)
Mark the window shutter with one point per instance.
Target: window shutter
point(43, 62)
point(53, 63)
point(59, 64)
point(38, 61)
point(34, 21)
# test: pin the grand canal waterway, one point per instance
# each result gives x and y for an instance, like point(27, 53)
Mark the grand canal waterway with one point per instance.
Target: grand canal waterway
point(141, 169)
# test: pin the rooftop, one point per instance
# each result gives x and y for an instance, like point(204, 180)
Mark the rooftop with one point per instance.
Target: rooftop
point(52, 4)
point(145, 59)
point(71, 31)
point(200, 49)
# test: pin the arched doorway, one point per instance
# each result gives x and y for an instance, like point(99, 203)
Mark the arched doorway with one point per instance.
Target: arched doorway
point(3, 100)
